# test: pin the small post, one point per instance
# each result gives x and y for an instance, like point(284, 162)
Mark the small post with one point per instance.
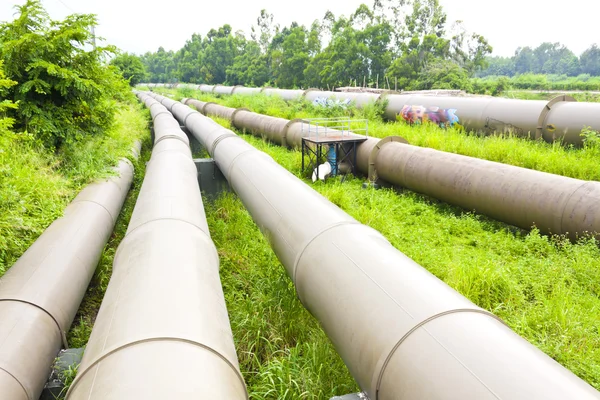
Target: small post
point(377, 87)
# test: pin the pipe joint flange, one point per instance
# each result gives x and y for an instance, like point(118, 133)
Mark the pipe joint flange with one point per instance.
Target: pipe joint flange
point(109, 352)
point(235, 87)
point(385, 359)
point(161, 113)
point(541, 125)
point(187, 116)
point(170, 108)
point(203, 111)
point(307, 244)
point(264, 88)
point(286, 128)
point(62, 332)
point(214, 87)
point(219, 140)
point(372, 173)
point(187, 143)
point(235, 112)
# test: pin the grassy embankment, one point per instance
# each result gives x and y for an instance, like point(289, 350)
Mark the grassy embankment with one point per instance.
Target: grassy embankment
point(36, 185)
point(543, 287)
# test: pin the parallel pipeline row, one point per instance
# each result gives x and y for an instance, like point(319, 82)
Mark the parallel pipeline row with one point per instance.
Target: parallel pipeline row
point(163, 332)
point(517, 196)
point(560, 119)
point(401, 331)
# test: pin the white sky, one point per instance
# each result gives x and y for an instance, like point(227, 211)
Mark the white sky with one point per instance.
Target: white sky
point(139, 26)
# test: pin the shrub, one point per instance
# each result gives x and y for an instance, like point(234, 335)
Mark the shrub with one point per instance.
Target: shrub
point(65, 88)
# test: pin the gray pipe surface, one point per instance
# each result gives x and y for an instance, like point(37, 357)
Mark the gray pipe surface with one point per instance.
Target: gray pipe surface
point(517, 196)
point(402, 332)
point(41, 293)
point(162, 331)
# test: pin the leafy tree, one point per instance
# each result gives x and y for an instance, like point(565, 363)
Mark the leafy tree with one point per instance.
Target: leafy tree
point(524, 60)
point(220, 50)
point(590, 61)
point(443, 74)
point(66, 89)
point(6, 104)
point(131, 67)
point(187, 60)
point(290, 59)
point(160, 65)
point(264, 30)
point(249, 68)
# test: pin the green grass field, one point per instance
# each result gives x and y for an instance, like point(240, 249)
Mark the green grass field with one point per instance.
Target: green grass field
point(36, 184)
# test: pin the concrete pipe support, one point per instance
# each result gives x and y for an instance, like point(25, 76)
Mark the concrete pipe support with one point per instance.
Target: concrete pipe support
point(402, 332)
point(162, 331)
point(41, 293)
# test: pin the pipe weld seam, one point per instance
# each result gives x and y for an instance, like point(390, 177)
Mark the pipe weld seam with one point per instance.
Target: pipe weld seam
point(187, 116)
point(112, 218)
point(309, 242)
point(203, 111)
point(237, 110)
point(160, 113)
point(118, 348)
point(237, 158)
point(29, 395)
point(172, 137)
point(220, 139)
point(62, 333)
point(423, 323)
point(166, 105)
point(167, 219)
point(564, 209)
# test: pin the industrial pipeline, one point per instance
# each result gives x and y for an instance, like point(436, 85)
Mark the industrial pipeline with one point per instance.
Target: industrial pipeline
point(41, 293)
point(162, 331)
point(402, 332)
point(560, 119)
point(517, 196)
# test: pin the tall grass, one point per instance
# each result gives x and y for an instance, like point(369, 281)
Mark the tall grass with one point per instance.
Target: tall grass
point(36, 185)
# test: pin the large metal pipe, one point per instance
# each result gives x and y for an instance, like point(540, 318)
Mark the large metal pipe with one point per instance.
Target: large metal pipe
point(402, 332)
point(517, 196)
point(162, 331)
point(41, 293)
point(561, 118)
point(286, 94)
point(246, 90)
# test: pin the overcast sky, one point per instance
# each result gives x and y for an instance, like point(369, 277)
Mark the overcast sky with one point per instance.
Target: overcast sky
point(139, 26)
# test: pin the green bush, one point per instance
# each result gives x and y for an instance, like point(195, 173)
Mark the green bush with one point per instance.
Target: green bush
point(65, 88)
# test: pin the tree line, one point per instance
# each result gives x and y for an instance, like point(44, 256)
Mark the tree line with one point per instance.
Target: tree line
point(403, 44)
point(548, 59)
